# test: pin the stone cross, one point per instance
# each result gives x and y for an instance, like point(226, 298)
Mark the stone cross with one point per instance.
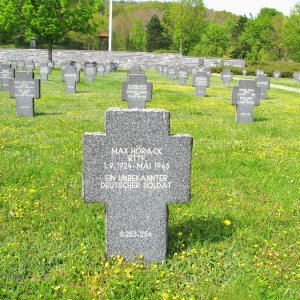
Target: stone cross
point(296, 76)
point(137, 91)
point(25, 89)
point(136, 168)
point(29, 65)
point(182, 75)
point(245, 97)
point(21, 65)
point(100, 69)
point(171, 72)
point(6, 74)
point(165, 70)
point(226, 77)
point(107, 68)
point(264, 83)
point(71, 76)
point(89, 72)
point(259, 72)
point(276, 75)
point(44, 71)
point(201, 81)
point(244, 72)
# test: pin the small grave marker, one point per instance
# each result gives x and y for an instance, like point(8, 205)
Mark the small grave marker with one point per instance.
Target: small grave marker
point(263, 81)
point(201, 81)
point(90, 72)
point(100, 69)
point(226, 77)
point(182, 75)
point(6, 73)
point(44, 71)
point(25, 89)
point(136, 168)
point(71, 76)
point(245, 97)
point(276, 75)
point(137, 91)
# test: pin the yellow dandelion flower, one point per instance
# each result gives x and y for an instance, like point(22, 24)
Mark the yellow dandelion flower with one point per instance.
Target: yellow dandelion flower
point(227, 222)
point(165, 296)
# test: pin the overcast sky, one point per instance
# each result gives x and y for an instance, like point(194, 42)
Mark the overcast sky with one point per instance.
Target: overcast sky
point(244, 7)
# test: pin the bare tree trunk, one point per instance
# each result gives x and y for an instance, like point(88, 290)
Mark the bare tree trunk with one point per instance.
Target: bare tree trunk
point(50, 51)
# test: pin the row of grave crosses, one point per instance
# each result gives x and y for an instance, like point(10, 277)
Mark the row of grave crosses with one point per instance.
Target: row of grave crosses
point(71, 72)
point(200, 75)
point(136, 90)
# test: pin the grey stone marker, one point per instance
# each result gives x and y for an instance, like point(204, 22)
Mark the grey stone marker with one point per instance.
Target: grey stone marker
point(78, 66)
point(276, 75)
point(136, 168)
point(6, 74)
point(107, 68)
point(100, 69)
point(65, 64)
point(296, 76)
point(172, 72)
point(30, 65)
point(20, 65)
point(165, 70)
point(264, 83)
point(71, 75)
point(114, 65)
point(89, 72)
point(182, 75)
point(25, 89)
point(44, 71)
point(226, 77)
point(201, 81)
point(244, 72)
point(137, 91)
point(245, 97)
point(259, 72)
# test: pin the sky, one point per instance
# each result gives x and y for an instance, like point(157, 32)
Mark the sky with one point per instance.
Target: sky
point(245, 7)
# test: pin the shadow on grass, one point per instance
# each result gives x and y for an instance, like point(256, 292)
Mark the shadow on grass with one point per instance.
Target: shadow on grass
point(38, 114)
point(261, 119)
point(197, 231)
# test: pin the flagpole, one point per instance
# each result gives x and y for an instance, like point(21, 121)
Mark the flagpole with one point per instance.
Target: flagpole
point(110, 26)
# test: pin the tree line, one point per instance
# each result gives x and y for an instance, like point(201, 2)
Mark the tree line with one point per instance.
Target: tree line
point(186, 27)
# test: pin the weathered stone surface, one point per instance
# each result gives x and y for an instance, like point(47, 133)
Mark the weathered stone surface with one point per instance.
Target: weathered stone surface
point(136, 168)
point(263, 81)
point(125, 60)
point(226, 77)
point(71, 75)
point(245, 97)
point(24, 88)
point(137, 91)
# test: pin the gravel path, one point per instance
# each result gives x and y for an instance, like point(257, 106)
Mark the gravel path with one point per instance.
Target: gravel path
point(286, 88)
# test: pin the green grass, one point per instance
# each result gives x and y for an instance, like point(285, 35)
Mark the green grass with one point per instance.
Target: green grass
point(52, 244)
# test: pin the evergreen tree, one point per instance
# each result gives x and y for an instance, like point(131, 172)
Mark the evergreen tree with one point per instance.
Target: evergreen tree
point(155, 36)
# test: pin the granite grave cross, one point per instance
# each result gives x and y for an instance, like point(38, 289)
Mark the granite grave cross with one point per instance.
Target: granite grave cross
point(201, 81)
point(136, 168)
point(245, 97)
point(25, 89)
point(6, 73)
point(226, 77)
point(71, 75)
point(263, 81)
point(137, 91)
point(182, 75)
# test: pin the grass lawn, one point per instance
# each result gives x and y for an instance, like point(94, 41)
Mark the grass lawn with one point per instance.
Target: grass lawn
point(238, 238)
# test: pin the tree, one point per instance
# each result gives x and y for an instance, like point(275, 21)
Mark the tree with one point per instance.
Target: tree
point(51, 20)
point(155, 35)
point(257, 36)
point(238, 50)
point(215, 41)
point(137, 36)
point(291, 34)
point(9, 21)
point(185, 21)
